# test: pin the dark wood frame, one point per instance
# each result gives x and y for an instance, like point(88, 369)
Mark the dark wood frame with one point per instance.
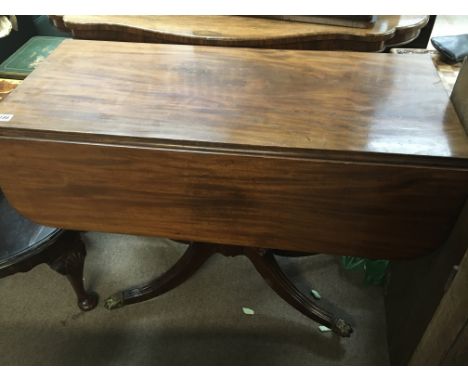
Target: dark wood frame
point(416, 289)
point(445, 341)
point(65, 255)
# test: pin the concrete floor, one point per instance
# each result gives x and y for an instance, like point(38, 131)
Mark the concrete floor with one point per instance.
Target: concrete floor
point(200, 323)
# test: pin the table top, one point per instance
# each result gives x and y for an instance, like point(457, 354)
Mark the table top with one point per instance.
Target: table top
point(243, 31)
point(315, 103)
point(355, 154)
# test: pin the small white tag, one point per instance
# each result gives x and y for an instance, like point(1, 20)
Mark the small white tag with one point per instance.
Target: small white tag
point(6, 117)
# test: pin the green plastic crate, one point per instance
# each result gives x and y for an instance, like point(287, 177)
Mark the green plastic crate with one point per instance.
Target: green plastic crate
point(375, 271)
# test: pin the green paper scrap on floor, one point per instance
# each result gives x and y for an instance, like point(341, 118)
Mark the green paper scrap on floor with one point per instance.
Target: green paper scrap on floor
point(27, 57)
point(374, 270)
point(315, 294)
point(248, 311)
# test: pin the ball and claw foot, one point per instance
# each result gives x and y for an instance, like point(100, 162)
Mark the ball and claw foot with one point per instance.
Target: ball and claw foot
point(114, 302)
point(88, 303)
point(342, 328)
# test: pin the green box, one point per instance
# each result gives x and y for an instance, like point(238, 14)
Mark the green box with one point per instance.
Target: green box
point(28, 56)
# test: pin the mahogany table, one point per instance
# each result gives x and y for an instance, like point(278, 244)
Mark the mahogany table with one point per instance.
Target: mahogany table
point(242, 31)
point(261, 152)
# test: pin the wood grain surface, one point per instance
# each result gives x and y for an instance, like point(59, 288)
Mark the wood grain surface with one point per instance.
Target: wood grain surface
point(341, 153)
point(320, 103)
point(459, 95)
point(239, 31)
point(445, 339)
point(286, 203)
point(415, 290)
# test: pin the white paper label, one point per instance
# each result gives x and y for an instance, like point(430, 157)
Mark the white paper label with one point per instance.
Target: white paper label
point(5, 117)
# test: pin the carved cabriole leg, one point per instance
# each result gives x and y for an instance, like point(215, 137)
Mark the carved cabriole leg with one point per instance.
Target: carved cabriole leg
point(266, 265)
point(70, 262)
point(193, 258)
